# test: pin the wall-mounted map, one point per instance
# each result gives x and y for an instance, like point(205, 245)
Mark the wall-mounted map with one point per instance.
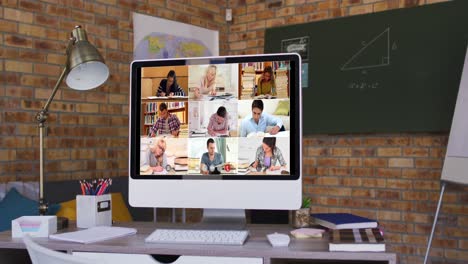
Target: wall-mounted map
point(157, 38)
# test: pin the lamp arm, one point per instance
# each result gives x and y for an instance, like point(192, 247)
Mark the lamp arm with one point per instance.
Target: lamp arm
point(41, 118)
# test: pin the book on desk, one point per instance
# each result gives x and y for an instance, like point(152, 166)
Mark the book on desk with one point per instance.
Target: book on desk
point(354, 240)
point(343, 221)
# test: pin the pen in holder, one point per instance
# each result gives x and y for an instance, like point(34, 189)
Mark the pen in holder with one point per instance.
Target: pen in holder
point(93, 207)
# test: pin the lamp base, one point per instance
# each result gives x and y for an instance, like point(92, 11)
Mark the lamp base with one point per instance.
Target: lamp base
point(62, 223)
point(43, 207)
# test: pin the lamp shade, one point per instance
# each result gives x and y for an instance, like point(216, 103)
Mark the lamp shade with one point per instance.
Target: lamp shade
point(87, 69)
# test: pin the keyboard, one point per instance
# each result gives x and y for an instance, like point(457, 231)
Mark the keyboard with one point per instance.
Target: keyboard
point(190, 236)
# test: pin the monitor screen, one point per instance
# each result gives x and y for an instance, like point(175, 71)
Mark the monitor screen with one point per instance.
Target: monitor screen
point(216, 132)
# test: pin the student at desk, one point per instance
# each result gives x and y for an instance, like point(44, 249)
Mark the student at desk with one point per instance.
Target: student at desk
point(258, 121)
point(210, 159)
point(268, 155)
point(219, 122)
point(207, 83)
point(169, 86)
point(266, 83)
point(167, 123)
point(156, 156)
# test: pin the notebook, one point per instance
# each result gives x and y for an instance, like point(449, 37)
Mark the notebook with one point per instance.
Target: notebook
point(307, 232)
point(343, 221)
point(354, 240)
point(94, 234)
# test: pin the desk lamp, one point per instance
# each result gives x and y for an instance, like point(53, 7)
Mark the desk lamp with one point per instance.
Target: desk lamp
point(86, 70)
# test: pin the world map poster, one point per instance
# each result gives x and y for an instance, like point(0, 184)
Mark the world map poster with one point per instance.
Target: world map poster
point(157, 38)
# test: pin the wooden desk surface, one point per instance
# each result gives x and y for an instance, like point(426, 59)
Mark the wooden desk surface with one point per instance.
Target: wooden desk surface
point(257, 245)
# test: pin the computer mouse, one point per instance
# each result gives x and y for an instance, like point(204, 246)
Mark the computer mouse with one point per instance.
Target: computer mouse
point(278, 240)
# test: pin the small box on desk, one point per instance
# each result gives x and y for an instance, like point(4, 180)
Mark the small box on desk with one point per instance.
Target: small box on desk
point(35, 226)
point(93, 210)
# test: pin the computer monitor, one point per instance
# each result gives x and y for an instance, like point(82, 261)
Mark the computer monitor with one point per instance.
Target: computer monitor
point(216, 132)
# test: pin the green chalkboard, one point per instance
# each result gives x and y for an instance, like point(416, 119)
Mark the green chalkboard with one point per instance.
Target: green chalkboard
point(392, 71)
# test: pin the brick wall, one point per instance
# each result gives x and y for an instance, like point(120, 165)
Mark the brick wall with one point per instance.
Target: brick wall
point(87, 131)
point(390, 177)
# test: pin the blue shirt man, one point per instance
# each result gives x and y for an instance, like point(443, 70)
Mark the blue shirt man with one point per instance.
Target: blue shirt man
point(210, 159)
point(258, 121)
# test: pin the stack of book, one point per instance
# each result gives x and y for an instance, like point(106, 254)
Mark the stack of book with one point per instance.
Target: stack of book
point(349, 232)
point(248, 83)
point(367, 239)
point(256, 66)
point(281, 80)
point(243, 166)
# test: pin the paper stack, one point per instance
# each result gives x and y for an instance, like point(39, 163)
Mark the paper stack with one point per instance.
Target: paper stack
point(94, 234)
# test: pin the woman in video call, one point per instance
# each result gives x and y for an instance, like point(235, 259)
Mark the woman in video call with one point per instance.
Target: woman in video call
point(207, 83)
point(169, 86)
point(219, 123)
point(266, 84)
point(157, 159)
point(268, 155)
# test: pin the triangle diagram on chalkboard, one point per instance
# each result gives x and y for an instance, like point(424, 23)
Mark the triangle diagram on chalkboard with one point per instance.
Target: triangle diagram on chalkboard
point(375, 53)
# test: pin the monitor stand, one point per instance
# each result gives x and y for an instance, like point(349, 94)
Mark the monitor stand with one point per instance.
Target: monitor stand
point(222, 219)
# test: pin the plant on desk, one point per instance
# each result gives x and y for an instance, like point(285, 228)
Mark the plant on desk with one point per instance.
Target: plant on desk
point(301, 217)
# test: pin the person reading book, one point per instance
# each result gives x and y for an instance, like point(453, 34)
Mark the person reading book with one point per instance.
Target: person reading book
point(268, 156)
point(207, 83)
point(169, 86)
point(156, 156)
point(211, 159)
point(266, 83)
point(219, 122)
point(258, 121)
point(167, 123)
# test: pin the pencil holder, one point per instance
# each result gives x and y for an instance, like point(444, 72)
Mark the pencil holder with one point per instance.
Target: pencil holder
point(93, 210)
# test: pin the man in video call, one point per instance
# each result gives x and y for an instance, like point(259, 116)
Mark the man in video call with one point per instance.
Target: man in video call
point(210, 159)
point(167, 123)
point(259, 121)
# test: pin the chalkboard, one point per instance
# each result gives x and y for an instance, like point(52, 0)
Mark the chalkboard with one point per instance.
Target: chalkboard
point(392, 71)
point(456, 159)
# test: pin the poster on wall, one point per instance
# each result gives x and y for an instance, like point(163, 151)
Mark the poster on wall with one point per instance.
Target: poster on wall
point(301, 46)
point(298, 45)
point(157, 38)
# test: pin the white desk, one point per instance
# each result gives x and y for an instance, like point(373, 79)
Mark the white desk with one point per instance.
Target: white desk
point(257, 246)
